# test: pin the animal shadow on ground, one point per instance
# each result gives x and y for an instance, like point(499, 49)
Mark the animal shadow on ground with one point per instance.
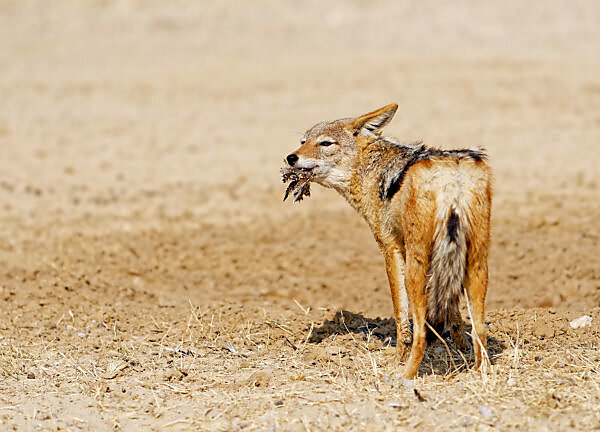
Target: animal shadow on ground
point(435, 359)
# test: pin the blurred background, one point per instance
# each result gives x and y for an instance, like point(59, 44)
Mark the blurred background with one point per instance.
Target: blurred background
point(149, 269)
point(123, 116)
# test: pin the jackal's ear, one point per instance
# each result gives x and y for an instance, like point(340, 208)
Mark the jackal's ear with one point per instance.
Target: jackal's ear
point(374, 121)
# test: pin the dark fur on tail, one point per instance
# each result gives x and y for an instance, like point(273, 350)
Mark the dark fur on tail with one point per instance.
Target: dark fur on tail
point(446, 267)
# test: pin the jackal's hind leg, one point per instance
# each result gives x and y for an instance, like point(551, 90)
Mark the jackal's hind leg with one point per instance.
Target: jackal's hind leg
point(476, 282)
point(457, 330)
point(476, 288)
point(394, 264)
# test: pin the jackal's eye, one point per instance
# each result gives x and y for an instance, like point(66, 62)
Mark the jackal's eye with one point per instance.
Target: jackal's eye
point(302, 141)
point(325, 143)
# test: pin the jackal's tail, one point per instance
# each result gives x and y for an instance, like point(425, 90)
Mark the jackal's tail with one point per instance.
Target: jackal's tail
point(447, 265)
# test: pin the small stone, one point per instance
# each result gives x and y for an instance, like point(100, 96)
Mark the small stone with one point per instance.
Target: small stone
point(582, 321)
point(82, 335)
point(30, 375)
point(408, 383)
point(485, 411)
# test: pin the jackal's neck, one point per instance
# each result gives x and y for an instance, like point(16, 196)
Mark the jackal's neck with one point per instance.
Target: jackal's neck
point(374, 161)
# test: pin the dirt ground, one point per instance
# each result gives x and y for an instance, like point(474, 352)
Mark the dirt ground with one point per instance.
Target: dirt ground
point(152, 279)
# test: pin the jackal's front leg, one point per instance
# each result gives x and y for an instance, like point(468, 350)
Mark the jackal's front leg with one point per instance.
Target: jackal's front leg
point(394, 264)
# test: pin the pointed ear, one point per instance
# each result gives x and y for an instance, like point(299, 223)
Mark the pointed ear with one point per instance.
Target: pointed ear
point(374, 121)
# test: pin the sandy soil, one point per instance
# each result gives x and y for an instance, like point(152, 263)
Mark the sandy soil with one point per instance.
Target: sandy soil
point(152, 279)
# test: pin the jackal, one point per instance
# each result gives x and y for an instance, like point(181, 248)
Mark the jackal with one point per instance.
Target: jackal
point(429, 211)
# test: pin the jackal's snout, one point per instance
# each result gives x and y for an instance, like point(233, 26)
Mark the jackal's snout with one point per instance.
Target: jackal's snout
point(291, 159)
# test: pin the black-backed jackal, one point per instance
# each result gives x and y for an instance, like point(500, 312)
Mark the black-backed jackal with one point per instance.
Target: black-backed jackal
point(429, 211)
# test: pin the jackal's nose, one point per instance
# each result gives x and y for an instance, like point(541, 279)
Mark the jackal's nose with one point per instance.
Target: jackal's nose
point(292, 159)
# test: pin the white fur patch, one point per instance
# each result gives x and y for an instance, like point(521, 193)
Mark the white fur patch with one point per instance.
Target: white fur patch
point(326, 173)
point(335, 178)
point(306, 163)
point(325, 138)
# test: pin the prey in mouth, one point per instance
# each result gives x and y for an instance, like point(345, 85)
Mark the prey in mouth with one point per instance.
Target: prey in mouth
point(299, 179)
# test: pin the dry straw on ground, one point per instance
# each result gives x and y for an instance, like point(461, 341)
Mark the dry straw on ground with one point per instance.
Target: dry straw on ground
point(207, 369)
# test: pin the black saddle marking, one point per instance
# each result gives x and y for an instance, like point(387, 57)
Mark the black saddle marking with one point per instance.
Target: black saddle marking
point(387, 190)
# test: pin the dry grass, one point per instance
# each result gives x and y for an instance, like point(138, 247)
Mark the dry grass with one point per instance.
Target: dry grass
point(207, 369)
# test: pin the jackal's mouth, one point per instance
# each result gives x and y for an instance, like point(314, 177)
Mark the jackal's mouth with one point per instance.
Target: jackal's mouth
point(299, 179)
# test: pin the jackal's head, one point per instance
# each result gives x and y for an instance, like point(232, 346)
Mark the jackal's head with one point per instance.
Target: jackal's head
point(331, 149)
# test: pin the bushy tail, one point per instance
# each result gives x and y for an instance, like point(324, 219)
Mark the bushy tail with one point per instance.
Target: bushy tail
point(447, 266)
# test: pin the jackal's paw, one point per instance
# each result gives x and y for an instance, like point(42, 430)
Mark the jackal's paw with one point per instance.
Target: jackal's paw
point(460, 339)
point(404, 335)
point(402, 352)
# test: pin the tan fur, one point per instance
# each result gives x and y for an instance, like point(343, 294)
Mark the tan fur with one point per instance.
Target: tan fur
point(429, 211)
